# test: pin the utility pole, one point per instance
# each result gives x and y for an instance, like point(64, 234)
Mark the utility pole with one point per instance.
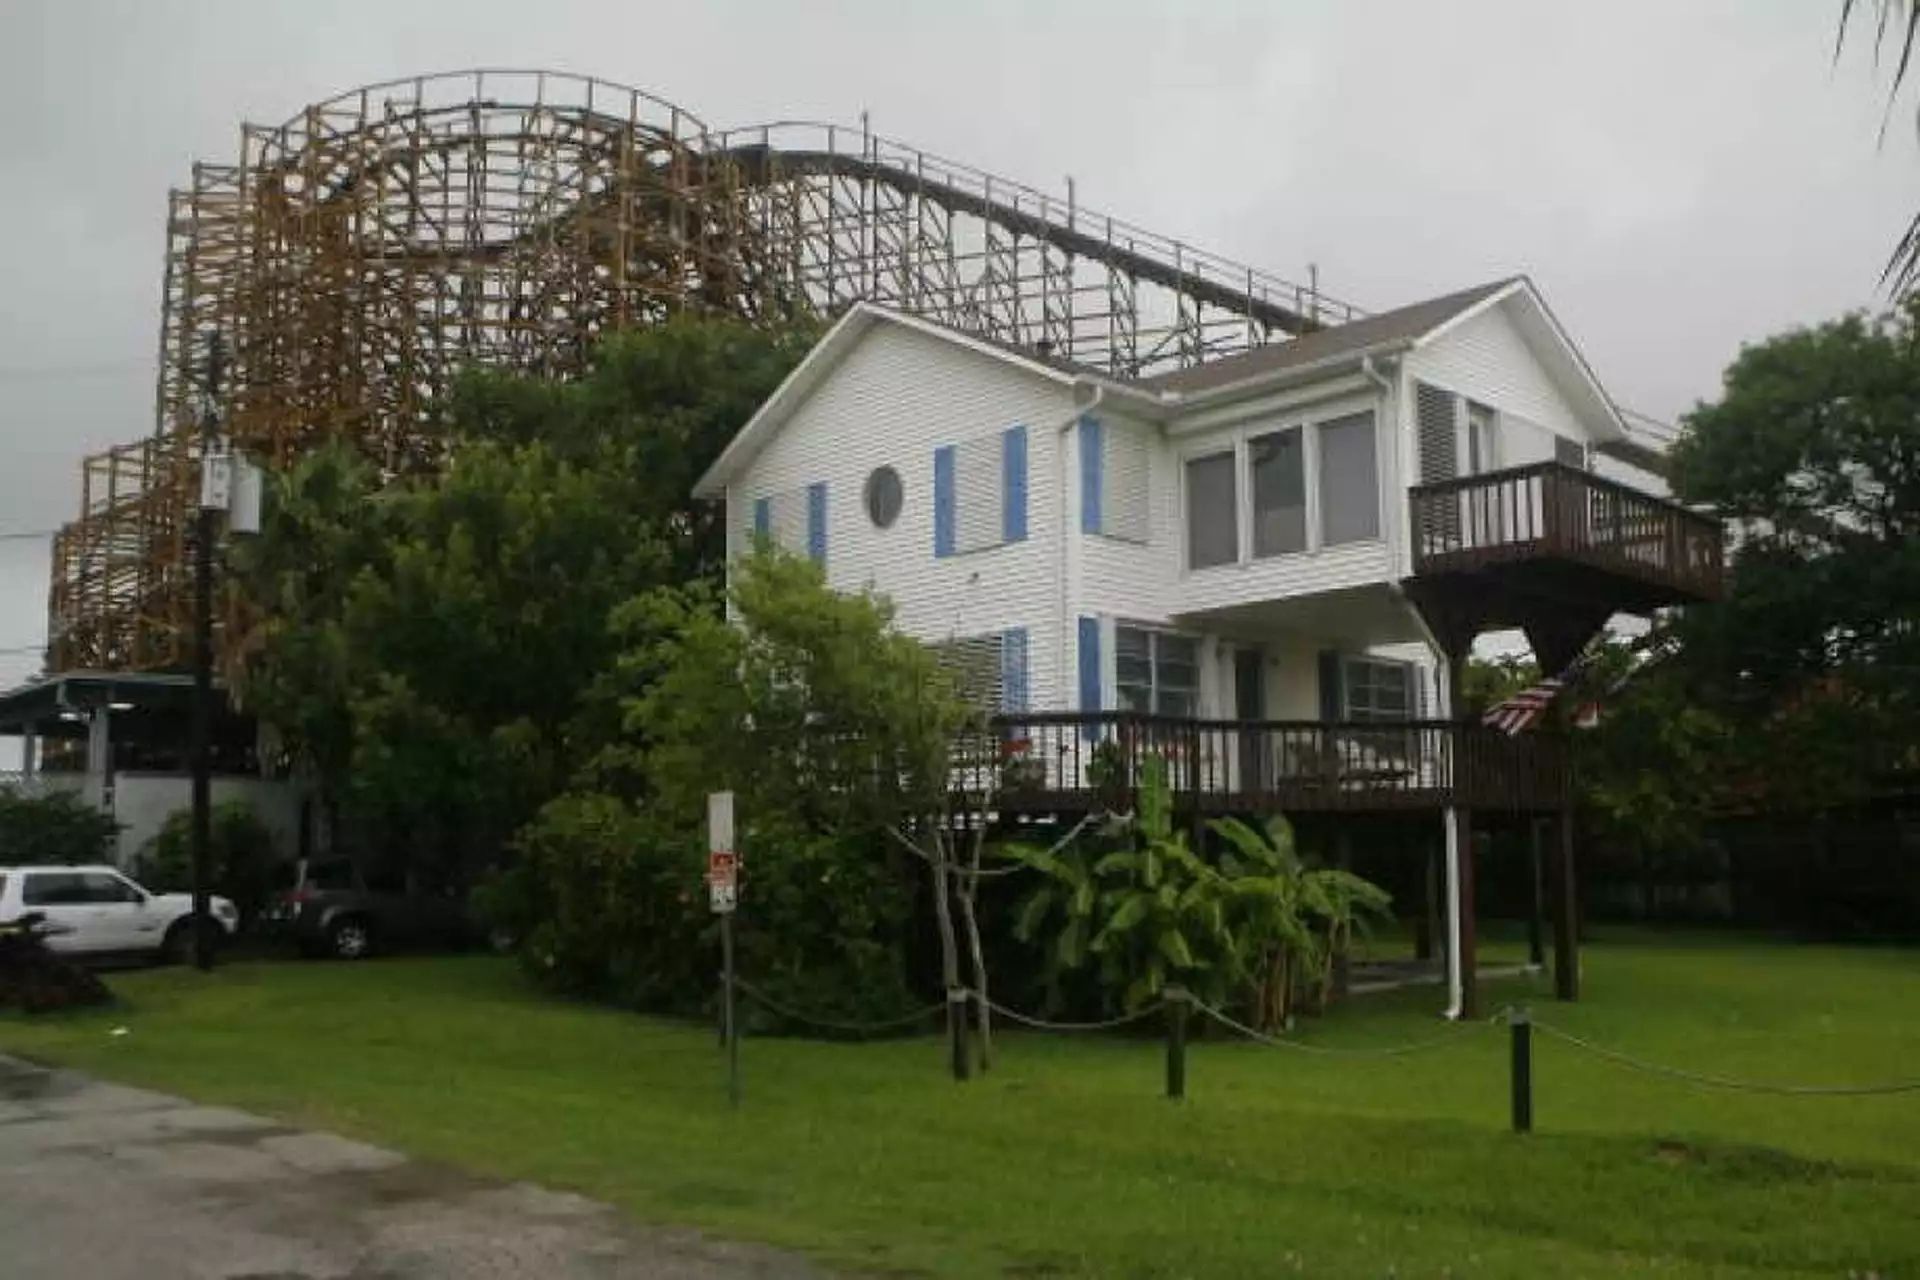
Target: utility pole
point(206, 528)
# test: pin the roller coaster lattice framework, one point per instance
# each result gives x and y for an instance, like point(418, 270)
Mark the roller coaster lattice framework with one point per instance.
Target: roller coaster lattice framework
point(359, 255)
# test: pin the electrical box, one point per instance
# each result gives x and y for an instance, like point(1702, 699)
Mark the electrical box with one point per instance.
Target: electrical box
point(243, 505)
point(216, 481)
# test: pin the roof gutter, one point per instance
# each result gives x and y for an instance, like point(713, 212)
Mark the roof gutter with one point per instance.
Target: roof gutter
point(1278, 378)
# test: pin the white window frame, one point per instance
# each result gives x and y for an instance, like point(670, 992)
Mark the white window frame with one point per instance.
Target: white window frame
point(1237, 439)
point(1154, 635)
point(1409, 673)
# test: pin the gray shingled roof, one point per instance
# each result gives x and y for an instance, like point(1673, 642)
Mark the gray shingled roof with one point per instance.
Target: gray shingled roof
point(1388, 329)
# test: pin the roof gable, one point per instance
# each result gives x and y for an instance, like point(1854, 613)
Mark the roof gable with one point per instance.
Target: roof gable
point(827, 355)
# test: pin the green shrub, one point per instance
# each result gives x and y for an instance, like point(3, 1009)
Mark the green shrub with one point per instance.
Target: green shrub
point(609, 902)
point(58, 827)
point(239, 853)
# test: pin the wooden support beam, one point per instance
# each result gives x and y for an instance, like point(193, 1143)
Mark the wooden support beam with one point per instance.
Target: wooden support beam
point(1566, 939)
point(1536, 883)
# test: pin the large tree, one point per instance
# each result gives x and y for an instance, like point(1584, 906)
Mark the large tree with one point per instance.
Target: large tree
point(1801, 690)
point(427, 642)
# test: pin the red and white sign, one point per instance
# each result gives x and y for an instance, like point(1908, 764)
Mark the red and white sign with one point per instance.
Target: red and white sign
point(723, 864)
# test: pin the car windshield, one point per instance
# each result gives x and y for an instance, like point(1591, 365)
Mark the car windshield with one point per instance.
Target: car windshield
point(335, 873)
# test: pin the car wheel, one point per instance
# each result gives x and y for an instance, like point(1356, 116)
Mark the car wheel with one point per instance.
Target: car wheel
point(177, 946)
point(349, 939)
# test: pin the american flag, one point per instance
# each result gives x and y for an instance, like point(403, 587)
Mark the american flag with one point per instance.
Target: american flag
point(1525, 709)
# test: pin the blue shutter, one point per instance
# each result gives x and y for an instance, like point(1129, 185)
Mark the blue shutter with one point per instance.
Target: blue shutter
point(1013, 671)
point(943, 500)
point(1013, 485)
point(1093, 438)
point(1090, 670)
point(1330, 699)
point(762, 518)
point(817, 521)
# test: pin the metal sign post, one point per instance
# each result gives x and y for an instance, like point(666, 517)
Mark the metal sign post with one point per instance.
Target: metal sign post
point(723, 892)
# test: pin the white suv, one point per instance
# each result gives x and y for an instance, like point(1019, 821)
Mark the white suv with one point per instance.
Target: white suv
point(98, 911)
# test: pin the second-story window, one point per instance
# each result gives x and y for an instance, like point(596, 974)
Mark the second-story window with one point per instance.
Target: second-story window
point(980, 492)
point(1279, 466)
point(1213, 531)
point(1349, 481)
point(1156, 672)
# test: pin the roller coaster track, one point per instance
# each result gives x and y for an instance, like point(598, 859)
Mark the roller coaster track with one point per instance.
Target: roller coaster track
point(355, 257)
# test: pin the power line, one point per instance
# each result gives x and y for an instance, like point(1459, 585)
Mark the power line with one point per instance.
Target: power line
point(49, 372)
point(27, 535)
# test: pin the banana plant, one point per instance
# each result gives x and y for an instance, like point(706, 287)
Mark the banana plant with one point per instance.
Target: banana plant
point(1141, 908)
point(1295, 920)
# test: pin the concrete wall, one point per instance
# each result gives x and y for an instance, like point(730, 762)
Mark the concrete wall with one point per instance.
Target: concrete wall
point(142, 802)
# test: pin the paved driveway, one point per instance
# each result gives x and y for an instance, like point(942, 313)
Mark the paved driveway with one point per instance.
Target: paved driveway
point(111, 1183)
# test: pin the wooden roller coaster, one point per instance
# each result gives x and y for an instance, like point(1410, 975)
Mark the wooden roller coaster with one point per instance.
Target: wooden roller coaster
point(358, 256)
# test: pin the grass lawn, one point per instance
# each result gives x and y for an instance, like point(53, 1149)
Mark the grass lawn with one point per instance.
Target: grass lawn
point(1066, 1160)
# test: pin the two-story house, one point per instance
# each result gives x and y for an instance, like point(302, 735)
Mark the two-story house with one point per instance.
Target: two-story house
point(1262, 567)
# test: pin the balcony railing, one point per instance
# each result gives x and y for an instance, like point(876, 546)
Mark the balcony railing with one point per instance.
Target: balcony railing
point(1550, 511)
point(1073, 760)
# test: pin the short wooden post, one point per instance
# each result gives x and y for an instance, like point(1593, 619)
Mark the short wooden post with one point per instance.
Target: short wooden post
point(731, 1018)
point(1176, 998)
point(1521, 1025)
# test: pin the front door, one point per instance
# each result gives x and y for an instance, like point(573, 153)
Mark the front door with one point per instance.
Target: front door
point(1249, 707)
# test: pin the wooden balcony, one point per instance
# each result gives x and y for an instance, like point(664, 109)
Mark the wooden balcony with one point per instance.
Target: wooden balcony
point(1077, 761)
point(1562, 533)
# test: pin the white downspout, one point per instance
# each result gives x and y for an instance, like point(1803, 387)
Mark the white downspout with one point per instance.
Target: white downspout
point(1443, 688)
point(1067, 561)
point(1456, 995)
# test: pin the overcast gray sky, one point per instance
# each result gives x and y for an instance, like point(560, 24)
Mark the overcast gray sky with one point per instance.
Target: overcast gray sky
point(1679, 176)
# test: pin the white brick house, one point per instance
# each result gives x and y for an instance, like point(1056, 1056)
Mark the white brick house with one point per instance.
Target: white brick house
point(1227, 541)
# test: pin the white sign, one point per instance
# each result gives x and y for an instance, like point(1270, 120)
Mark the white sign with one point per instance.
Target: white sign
point(723, 864)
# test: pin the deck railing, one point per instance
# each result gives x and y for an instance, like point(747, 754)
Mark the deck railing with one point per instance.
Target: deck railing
point(1092, 759)
point(1553, 511)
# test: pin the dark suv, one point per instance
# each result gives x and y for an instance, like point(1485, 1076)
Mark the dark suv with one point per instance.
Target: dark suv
point(334, 908)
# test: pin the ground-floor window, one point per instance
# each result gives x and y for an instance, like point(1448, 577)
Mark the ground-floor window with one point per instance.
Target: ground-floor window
point(1376, 689)
point(1156, 672)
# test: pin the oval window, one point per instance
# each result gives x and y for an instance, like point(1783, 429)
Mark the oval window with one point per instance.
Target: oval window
point(883, 497)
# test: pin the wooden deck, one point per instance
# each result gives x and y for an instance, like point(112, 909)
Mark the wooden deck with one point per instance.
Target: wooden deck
point(1567, 533)
point(1077, 761)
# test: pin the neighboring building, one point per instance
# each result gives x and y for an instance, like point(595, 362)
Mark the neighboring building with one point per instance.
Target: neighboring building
point(1273, 551)
point(118, 739)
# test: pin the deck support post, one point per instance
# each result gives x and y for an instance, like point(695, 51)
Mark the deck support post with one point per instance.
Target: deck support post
point(1428, 926)
point(1566, 923)
point(1464, 936)
point(1536, 877)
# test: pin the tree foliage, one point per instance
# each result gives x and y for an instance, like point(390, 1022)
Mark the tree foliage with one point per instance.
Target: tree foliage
point(239, 851)
point(1801, 690)
point(825, 723)
point(56, 827)
point(429, 644)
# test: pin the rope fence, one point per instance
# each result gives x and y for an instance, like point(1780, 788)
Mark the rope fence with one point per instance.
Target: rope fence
point(768, 1003)
point(1707, 1081)
point(1176, 1005)
point(1456, 1035)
